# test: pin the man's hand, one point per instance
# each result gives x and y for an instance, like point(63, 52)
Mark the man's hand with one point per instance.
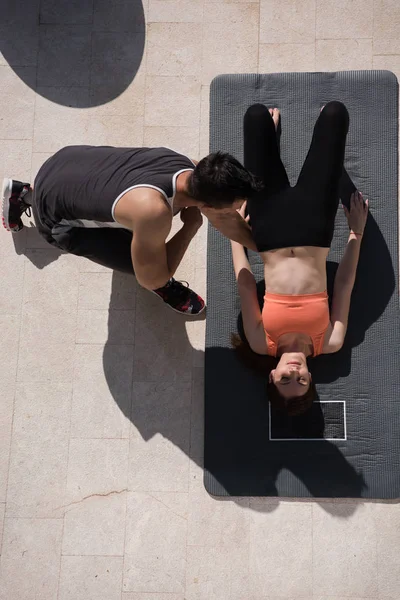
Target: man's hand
point(242, 212)
point(232, 225)
point(191, 218)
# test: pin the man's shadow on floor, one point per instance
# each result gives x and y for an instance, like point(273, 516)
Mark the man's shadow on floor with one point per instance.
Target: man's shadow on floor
point(163, 355)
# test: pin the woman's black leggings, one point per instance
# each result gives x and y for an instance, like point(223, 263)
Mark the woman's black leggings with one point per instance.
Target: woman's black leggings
point(282, 216)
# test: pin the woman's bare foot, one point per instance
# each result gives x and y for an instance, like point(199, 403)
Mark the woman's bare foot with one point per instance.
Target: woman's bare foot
point(275, 114)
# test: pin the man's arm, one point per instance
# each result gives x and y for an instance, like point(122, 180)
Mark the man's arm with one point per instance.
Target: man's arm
point(232, 226)
point(154, 261)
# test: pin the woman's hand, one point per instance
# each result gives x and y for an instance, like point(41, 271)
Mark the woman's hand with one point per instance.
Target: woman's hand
point(358, 213)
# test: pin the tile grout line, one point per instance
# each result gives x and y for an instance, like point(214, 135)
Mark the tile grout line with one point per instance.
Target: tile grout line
point(312, 550)
point(78, 274)
point(129, 440)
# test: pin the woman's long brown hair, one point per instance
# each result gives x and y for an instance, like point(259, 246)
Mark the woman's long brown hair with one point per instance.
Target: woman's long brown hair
point(263, 365)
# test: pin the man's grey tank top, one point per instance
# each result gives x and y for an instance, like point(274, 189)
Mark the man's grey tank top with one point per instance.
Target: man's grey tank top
point(80, 185)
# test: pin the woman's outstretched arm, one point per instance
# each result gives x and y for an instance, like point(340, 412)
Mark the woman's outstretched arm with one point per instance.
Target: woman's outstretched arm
point(346, 273)
point(247, 288)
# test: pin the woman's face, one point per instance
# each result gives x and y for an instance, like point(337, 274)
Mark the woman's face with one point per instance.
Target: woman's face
point(291, 375)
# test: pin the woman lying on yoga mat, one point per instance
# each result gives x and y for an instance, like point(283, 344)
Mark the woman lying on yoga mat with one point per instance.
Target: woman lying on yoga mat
point(293, 229)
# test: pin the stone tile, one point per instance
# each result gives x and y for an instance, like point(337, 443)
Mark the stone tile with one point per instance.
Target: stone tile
point(389, 63)
point(279, 58)
point(21, 50)
point(16, 159)
point(386, 46)
point(49, 296)
point(119, 16)
point(38, 159)
point(111, 99)
point(344, 550)
point(90, 578)
point(182, 139)
point(51, 328)
point(9, 326)
point(196, 328)
point(116, 56)
point(115, 130)
point(173, 49)
point(154, 562)
point(101, 391)
point(64, 54)
point(387, 523)
point(17, 102)
point(281, 549)
point(205, 121)
point(298, 17)
point(6, 415)
point(105, 326)
point(352, 19)
point(386, 23)
point(10, 332)
point(338, 598)
point(30, 562)
point(95, 526)
point(2, 511)
point(59, 12)
point(107, 290)
point(165, 350)
point(172, 101)
point(42, 361)
point(160, 435)
point(338, 55)
point(175, 11)
point(88, 266)
point(146, 596)
point(34, 241)
point(12, 277)
point(230, 39)
point(57, 122)
point(39, 451)
point(216, 523)
point(217, 573)
point(51, 286)
point(197, 414)
point(95, 291)
point(201, 240)
point(96, 467)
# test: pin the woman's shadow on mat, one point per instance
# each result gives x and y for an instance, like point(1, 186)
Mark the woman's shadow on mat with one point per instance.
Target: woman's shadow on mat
point(160, 396)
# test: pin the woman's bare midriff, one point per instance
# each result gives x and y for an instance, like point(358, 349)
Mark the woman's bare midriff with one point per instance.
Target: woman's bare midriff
point(298, 270)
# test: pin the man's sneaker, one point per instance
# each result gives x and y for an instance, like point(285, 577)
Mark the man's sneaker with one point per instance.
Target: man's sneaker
point(181, 298)
point(14, 205)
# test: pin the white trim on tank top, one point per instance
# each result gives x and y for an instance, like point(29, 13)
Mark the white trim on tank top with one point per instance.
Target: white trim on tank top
point(170, 201)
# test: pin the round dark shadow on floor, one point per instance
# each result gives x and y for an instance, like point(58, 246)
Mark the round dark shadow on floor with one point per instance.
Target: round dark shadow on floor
point(87, 52)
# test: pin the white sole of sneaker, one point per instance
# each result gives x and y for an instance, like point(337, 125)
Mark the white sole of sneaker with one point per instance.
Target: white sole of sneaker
point(178, 311)
point(6, 195)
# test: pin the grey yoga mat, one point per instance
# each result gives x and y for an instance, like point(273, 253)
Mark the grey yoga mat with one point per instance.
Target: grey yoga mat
point(349, 444)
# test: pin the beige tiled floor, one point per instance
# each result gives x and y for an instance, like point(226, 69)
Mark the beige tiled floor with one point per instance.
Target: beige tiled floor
point(101, 494)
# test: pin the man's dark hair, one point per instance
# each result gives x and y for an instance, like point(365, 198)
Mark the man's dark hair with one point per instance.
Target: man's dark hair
point(219, 179)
